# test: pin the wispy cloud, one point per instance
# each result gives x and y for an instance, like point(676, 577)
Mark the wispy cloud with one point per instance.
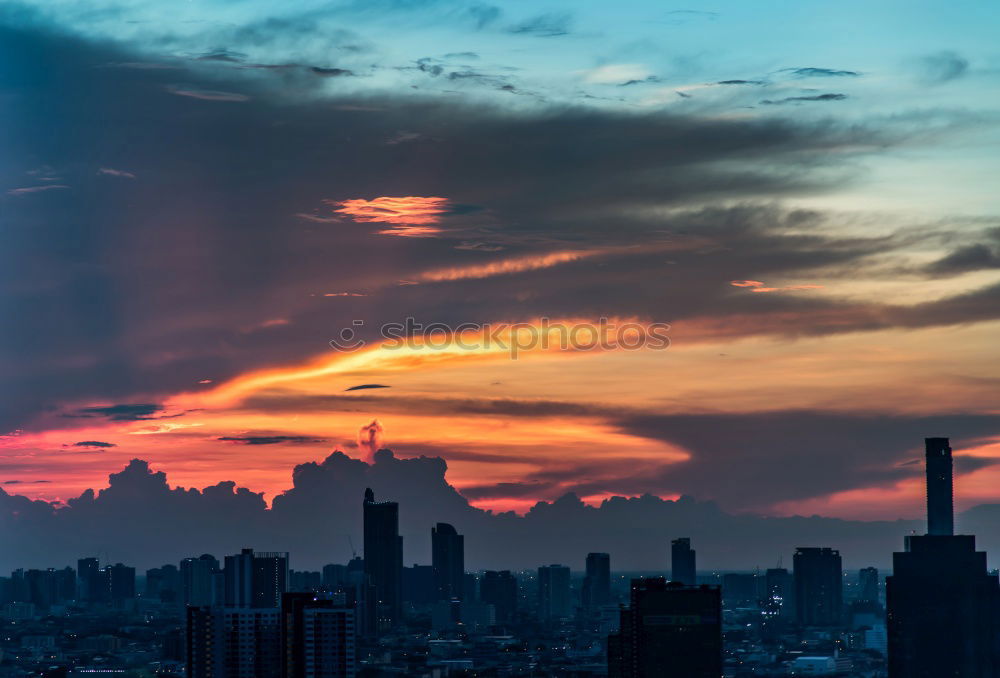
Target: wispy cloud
point(507, 266)
point(271, 440)
point(942, 67)
point(28, 190)
point(813, 72)
point(111, 172)
point(206, 94)
point(758, 286)
point(810, 97)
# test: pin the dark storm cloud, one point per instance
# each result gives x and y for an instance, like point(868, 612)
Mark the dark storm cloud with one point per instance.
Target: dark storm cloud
point(119, 412)
point(126, 291)
point(504, 407)
point(272, 440)
point(969, 258)
point(758, 459)
point(93, 443)
point(319, 516)
point(941, 67)
point(972, 257)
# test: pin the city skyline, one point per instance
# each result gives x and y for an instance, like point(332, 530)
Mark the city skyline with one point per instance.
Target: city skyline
point(256, 617)
point(321, 519)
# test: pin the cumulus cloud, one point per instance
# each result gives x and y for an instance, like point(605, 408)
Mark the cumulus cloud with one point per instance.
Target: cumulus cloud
point(315, 517)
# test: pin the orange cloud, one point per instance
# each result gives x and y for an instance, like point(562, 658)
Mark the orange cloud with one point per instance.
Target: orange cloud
point(758, 286)
point(409, 215)
point(507, 266)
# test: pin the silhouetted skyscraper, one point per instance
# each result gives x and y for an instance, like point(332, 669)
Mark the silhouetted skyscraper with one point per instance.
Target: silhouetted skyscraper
point(819, 586)
point(233, 642)
point(597, 581)
point(682, 562)
point(499, 589)
point(943, 607)
point(940, 520)
point(384, 558)
point(197, 581)
point(419, 587)
point(119, 582)
point(318, 636)
point(88, 581)
point(255, 579)
point(448, 560)
point(868, 587)
point(668, 631)
point(553, 592)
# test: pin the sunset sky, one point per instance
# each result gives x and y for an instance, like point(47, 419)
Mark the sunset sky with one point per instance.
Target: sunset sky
point(197, 197)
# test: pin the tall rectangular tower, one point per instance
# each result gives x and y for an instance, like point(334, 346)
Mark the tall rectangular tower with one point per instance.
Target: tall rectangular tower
point(384, 558)
point(819, 586)
point(943, 606)
point(940, 516)
point(448, 560)
point(682, 562)
point(597, 581)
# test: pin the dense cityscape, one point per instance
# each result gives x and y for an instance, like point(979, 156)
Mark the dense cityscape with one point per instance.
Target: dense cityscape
point(250, 615)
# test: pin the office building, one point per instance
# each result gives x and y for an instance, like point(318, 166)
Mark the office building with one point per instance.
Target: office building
point(739, 589)
point(868, 597)
point(553, 593)
point(255, 579)
point(669, 630)
point(942, 603)
point(819, 586)
point(88, 583)
point(420, 585)
point(682, 562)
point(499, 589)
point(384, 558)
point(596, 581)
point(197, 580)
point(119, 583)
point(225, 642)
point(318, 636)
point(448, 561)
